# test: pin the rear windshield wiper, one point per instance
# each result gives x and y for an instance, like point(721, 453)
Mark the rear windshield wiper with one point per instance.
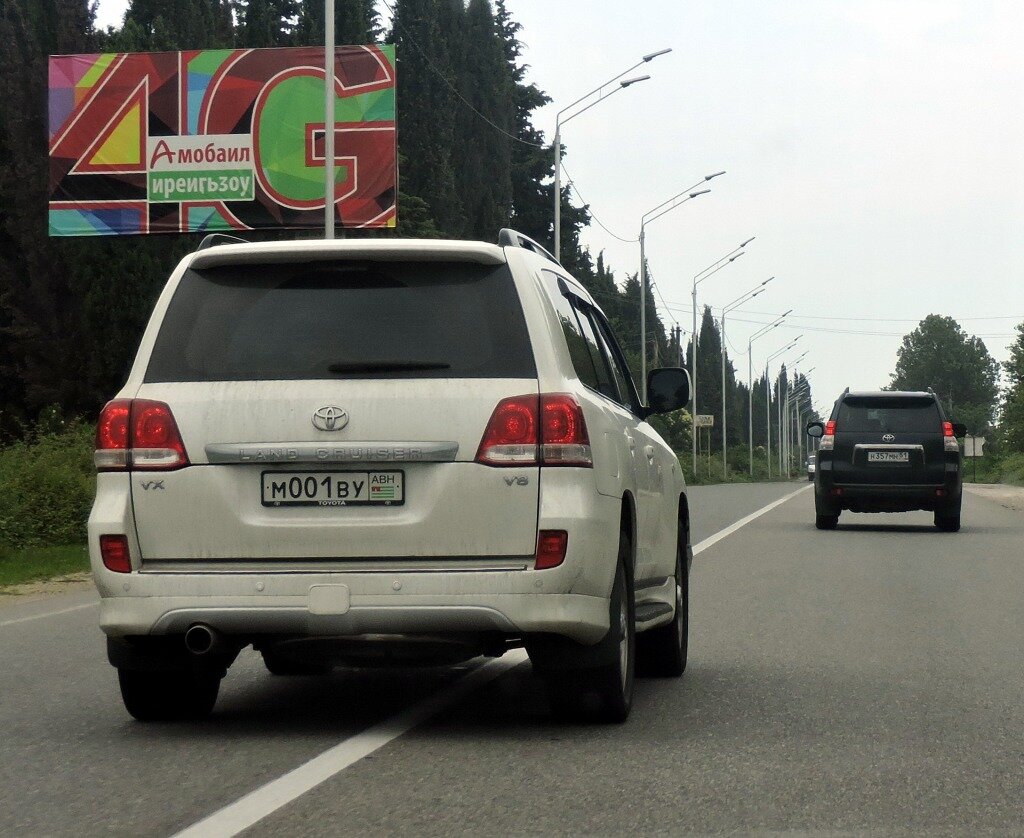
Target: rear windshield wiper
point(388, 366)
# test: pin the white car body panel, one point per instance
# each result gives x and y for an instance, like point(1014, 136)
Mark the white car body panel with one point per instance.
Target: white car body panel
point(457, 556)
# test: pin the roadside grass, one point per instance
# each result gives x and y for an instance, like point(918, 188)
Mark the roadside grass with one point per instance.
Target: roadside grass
point(31, 564)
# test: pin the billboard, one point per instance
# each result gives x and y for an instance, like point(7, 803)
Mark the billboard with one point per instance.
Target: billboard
point(218, 140)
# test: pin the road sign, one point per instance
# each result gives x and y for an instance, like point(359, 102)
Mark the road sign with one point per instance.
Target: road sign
point(704, 420)
point(974, 446)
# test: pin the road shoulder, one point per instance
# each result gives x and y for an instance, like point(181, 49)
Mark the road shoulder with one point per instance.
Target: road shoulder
point(1009, 497)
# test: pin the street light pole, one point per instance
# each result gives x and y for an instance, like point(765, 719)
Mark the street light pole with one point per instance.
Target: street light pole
point(785, 437)
point(750, 383)
point(725, 428)
point(698, 278)
point(653, 215)
point(328, 119)
point(558, 134)
point(768, 403)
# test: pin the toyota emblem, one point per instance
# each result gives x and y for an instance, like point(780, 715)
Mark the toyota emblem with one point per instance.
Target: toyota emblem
point(330, 418)
point(888, 438)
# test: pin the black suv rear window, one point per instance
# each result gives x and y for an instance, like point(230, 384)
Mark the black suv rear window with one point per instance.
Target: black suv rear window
point(877, 414)
point(343, 320)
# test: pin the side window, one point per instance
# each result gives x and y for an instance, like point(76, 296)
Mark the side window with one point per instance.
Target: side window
point(605, 379)
point(619, 368)
point(584, 350)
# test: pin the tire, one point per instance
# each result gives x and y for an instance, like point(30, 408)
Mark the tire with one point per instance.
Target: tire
point(286, 667)
point(183, 695)
point(826, 516)
point(661, 652)
point(603, 693)
point(948, 521)
point(826, 522)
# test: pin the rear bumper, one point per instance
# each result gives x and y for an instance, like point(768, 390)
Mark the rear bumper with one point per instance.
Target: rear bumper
point(882, 497)
point(314, 605)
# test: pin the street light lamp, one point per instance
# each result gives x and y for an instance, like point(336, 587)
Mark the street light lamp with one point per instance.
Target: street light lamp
point(652, 215)
point(750, 382)
point(698, 278)
point(558, 131)
point(725, 310)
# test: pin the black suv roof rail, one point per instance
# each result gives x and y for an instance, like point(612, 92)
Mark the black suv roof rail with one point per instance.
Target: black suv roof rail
point(215, 239)
point(513, 238)
point(847, 390)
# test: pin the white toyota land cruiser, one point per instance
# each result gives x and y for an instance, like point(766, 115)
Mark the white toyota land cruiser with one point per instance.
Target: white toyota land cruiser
point(360, 452)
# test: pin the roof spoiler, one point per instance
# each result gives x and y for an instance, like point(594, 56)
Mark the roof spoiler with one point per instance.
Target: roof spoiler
point(512, 238)
point(216, 239)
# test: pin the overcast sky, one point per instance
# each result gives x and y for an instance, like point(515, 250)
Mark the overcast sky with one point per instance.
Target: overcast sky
point(874, 147)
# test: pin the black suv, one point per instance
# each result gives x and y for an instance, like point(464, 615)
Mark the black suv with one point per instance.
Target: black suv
point(887, 452)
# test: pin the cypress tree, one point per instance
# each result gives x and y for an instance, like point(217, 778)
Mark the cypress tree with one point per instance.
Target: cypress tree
point(426, 108)
point(483, 176)
point(355, 22)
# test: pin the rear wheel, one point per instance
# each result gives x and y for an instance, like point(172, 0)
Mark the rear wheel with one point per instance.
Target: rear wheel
point(948, 520)
point(661, 652)
point(603, 692)
point(826, 522)
point(169, 696)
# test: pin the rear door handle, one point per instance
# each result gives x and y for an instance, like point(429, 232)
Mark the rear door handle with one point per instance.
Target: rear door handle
point(632, 442)
point(649, 451)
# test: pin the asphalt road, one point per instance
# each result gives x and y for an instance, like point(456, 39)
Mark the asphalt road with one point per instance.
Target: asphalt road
point(867, 680)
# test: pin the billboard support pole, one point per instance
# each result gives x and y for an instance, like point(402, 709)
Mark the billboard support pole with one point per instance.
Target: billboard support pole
point(328, 119)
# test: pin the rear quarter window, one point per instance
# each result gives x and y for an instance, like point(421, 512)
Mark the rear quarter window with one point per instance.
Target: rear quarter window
point(343, 320)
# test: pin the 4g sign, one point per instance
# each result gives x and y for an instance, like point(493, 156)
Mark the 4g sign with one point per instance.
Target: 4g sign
point(218, 140)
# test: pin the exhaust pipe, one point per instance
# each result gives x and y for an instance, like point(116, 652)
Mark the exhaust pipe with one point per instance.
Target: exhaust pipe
point(201, 639)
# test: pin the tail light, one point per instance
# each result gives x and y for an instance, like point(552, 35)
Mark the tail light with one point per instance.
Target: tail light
point(510, 438)
point(948, 439)
point(828, 439)
point(546, 430)
point(114, 552)
point(551, 546)
point(138, 434)
point(564, 439)
point(947, 429)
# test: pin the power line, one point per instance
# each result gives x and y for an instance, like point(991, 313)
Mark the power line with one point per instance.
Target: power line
point(579, 195)
point(397, 22)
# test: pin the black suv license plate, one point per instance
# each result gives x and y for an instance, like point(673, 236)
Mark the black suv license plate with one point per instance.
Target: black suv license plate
point(888, 456)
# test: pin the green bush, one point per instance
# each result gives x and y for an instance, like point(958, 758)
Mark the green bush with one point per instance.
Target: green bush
point(47, 483)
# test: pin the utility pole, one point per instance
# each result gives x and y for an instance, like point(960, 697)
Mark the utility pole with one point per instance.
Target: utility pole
point(328, 119)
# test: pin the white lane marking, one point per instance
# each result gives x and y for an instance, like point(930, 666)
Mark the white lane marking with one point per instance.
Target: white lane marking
point(264, 801)
point(742, 522)
point(48, 614)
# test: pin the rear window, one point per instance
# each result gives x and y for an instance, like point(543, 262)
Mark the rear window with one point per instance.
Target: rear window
point(888, 415)
point(343, 320)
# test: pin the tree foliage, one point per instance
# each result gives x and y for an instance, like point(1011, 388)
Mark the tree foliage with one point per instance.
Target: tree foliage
point(939, 354)
point(1013, 401)
point(471, 161)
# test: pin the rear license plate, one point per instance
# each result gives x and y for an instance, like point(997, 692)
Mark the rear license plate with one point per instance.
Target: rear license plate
point(888, 456)
point(333, 488)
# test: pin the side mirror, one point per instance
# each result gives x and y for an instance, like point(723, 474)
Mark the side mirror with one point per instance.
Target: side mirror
point(959, 429)
point(668, 389)
point(815, 429)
